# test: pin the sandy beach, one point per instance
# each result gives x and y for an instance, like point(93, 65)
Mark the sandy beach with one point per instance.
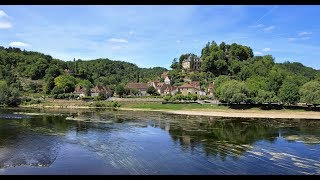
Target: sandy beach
point(240, 113)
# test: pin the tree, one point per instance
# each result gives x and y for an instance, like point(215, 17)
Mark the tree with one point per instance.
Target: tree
point(256, 83)
point(57, 90)
point(193, 97)
point(65, 82)
point(167, 97)
point(310, 92)
point(234, 92)
point(264, 96)
point(134, 91)
point(218, 82)
point(102, 95)
point(120, 90)
point(9, 96)
point(175, 64)
point(289, 91)
point(4, 92)
point(152, 91)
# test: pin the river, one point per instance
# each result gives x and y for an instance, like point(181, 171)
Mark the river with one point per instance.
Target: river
point(129, 142)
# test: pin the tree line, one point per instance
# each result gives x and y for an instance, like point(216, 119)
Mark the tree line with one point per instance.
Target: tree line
point(23, 72)
point(241, 77)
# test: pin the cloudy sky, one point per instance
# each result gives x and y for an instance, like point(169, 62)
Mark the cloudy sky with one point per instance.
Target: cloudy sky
point(152, 36)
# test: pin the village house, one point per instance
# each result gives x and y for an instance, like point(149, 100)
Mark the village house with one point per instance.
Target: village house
point(81, 91)
point(186, 89)
point(171, 90)
point(97, 89)
point(191, 63)
point(167, 80)
point(141, 87)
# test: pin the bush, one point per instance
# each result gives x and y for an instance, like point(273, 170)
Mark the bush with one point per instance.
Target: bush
point(112, 104)
point(99, 104)
point(204, 98)
point(167, 98)
point(115, 104)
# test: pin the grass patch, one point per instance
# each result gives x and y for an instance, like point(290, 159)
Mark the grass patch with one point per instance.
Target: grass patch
point(159, 105)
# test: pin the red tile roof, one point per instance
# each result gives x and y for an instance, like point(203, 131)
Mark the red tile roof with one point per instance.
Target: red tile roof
point(186, 85)
point(141, 86)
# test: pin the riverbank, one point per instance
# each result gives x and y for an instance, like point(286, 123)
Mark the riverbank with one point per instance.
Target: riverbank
point(188, 109)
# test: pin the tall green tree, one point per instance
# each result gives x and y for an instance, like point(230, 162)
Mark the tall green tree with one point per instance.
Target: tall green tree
point(66, 82)
point(289, 91)
point(310, 92)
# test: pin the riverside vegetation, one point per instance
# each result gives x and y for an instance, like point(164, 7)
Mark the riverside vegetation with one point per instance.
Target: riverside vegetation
point(28, 77)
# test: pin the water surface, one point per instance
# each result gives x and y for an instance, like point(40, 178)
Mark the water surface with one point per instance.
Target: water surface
point(128, 142)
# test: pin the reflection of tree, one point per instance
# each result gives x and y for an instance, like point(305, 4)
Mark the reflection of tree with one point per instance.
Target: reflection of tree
point(305, 131)
point(218, 136)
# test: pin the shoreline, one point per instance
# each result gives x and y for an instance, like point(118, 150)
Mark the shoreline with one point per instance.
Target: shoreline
point(238, 113)
point(272, 114)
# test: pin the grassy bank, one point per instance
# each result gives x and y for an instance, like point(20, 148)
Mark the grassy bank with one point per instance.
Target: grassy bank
point(160, 106)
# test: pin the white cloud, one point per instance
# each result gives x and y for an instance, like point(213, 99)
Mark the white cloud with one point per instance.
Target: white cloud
point(292, 39)
point(266, 49)
point(305, 33)
point(5, 25)
point(3, 14)
point(269, 28)
point(305, 38)
point(257, 26)
point(257, 53)
point(178, 41)
point(18, 44)
point(118, 40)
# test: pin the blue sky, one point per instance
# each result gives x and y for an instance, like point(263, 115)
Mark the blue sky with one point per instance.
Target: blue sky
point(152, 36)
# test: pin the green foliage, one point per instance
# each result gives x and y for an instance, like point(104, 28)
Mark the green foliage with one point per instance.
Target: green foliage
point(175, 64)
point(193, 97)
point(310, 92)
point(218, 82)
point(65, 82)
point(289, 91)
point(120, 90)
point(134, 91)
point(113, 104)
point(57, 90)
point(9, 96)
point(152, 91)
point(265, 80)
point(167, 97)
point(264, 96)
point(234, 92)
point(256, 83)
point(178, 97)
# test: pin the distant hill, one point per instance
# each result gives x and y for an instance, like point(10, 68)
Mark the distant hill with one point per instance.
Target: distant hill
point(17, 64)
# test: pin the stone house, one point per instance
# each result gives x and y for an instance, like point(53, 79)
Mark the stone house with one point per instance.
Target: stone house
point(141, 87)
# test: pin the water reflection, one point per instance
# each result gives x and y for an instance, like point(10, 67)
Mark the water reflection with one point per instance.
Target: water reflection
point(157, 143)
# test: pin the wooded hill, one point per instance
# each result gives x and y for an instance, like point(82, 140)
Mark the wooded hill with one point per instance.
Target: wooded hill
point(238, 75)
point(27, 71)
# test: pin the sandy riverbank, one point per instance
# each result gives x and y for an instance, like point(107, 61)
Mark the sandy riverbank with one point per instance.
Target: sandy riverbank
point(240, 113)
point(273, 114)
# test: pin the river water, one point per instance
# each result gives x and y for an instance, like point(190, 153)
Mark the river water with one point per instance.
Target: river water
point(128, 142)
